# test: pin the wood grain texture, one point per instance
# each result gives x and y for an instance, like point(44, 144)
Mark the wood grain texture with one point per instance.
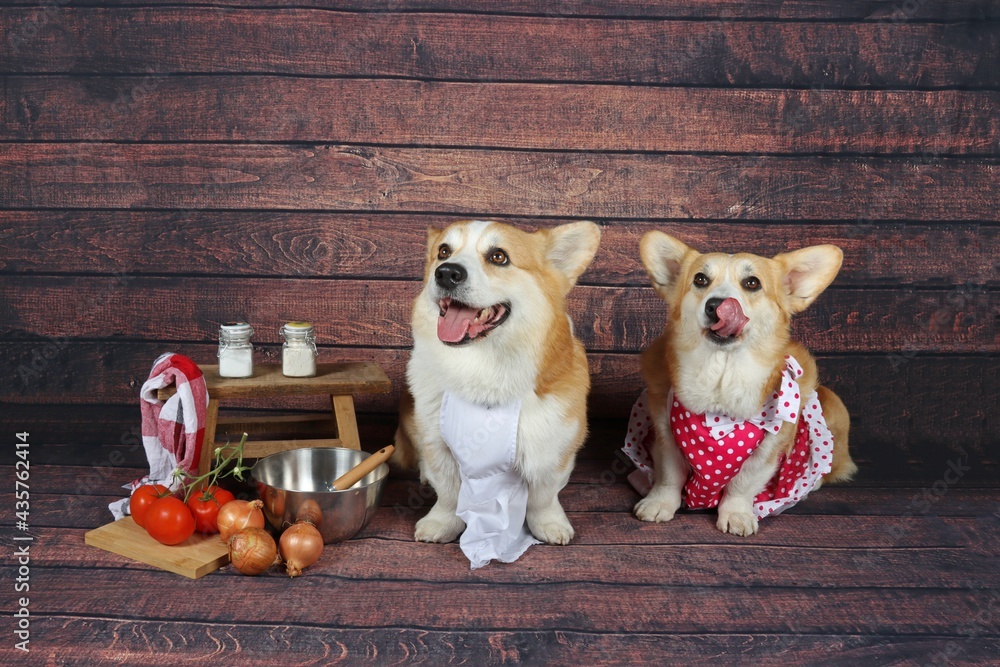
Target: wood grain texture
point(408, 499)
point(168, 165)
point(597, 484)
point(911, 380)
point(329, 177)
point(347, 426)
point(863, 10)
point(171, 40)
point(108, 436)
point(269, 381)
point(377, 313)
point(906, 408)
point(644, 556)
point(58, 519)
point(195, 557)
point(840, 536)
point(553, 605)
point(659, 587)
point(359, 245)
point(167, 643)
point(523, 116)
point(891, 448)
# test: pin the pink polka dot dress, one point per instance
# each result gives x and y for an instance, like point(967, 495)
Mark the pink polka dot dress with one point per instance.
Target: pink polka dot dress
point(716, 446)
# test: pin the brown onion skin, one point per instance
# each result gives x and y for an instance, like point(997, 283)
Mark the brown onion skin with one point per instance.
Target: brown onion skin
point(252, 551)
point(237, 515)
point(300, 546)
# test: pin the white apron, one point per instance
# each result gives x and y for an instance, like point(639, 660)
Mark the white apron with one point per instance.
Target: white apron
point(493, 497)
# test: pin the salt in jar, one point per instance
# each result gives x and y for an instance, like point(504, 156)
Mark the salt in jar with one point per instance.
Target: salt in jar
point(298, 352)
point(235, 350)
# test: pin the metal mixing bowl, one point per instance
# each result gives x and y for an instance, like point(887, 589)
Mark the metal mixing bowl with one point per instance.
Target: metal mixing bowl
point(298, 484)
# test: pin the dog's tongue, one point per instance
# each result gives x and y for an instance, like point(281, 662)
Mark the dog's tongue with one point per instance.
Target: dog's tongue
point(455, 323)
point(731, 318)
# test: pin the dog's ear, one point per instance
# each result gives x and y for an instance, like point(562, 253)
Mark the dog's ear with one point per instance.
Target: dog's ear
point(807, 272)
point(572, 247)
point(663, 256)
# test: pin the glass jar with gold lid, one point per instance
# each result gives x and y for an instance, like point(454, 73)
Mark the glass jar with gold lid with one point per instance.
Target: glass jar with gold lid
point(298, 352)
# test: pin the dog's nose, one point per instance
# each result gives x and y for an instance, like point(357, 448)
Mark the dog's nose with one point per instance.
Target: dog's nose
point(710, 307)
point(449, 275)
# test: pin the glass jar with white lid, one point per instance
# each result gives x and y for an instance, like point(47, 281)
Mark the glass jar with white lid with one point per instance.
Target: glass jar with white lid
point(235, 350)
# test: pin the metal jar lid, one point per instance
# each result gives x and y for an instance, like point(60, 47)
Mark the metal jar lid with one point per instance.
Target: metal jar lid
point(236, 329)
point(294, 327)
point(297, 330)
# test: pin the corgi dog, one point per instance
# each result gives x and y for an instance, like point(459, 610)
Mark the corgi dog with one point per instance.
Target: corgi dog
point(490, 328)
point(739, 417)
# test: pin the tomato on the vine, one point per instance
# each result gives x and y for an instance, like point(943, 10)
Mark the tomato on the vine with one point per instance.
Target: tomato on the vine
point(205, 505)
point(142, 498)
point(169, 521)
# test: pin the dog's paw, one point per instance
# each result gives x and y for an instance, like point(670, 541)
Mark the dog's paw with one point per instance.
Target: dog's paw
point(550, 529)
point(436, 529)
point(657, 508)
point(743, 524)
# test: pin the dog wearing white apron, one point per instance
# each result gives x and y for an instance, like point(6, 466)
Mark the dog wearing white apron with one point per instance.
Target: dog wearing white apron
point(495, 408)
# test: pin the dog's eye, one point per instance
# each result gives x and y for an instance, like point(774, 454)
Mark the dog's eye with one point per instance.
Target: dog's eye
point(751, 284)
point(701, 280)
point(444, 251)
point(498, 257)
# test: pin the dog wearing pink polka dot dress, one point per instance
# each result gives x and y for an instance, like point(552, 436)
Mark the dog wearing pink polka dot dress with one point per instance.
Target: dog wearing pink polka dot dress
point(733, 415)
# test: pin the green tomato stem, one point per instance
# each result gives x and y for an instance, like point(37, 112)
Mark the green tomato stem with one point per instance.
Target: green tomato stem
point(191, 482)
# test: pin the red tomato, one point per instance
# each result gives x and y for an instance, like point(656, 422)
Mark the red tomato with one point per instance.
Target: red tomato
point(142, 498)
point(205, 506)
point(169, 521)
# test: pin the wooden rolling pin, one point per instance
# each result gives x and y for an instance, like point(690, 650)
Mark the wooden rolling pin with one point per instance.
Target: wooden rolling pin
point(351, 477)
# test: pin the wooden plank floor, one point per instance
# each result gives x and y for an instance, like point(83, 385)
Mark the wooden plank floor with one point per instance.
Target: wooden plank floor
point(855, 575)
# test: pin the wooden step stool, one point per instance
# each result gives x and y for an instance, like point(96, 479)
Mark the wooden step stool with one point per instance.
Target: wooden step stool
point(339, 381)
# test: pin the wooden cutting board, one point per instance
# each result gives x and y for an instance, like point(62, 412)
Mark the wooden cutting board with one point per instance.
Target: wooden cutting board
point(193, 558)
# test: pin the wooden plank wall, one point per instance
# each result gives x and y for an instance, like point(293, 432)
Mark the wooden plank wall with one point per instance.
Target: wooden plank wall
point(168, 166)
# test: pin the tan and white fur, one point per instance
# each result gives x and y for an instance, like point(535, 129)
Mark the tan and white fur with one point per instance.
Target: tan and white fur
point(530, 355)
point(732, 375)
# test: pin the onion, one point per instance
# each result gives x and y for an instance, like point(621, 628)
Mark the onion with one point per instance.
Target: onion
point(252, 551)
point(237, 515)
point(301, 545)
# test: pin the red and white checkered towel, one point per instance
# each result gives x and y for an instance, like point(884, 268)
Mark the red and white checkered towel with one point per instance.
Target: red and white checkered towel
point(172, 431)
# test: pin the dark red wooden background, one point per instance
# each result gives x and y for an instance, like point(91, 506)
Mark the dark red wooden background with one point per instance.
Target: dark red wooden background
point(165, 168)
